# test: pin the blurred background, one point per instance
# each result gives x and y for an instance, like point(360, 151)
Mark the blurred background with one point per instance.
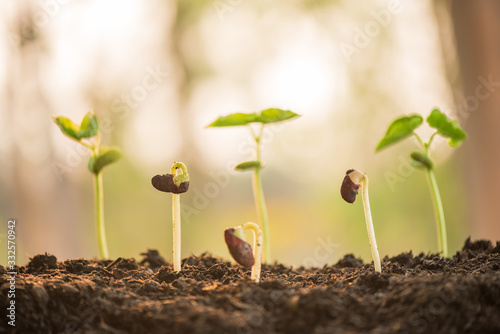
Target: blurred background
point(157, 72)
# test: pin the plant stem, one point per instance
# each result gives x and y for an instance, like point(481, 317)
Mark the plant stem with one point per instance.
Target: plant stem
point(257, 249)
point(438, 208)
point(261, 208)
point(436, 199)
point(369, 225)
point(259, 198)
point(176, 219)
point(420, 141)
point(99, 212)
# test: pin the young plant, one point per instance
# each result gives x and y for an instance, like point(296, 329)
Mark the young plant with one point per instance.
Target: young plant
point(241, 251)
point(175, 183)
point(352, 181)
point(87, 134)
point(404, 127)
point(266, 116)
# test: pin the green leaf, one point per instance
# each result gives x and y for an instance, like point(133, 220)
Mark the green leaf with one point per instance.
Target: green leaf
point(266, 116)
point(249, 165)
point(235, 119)
point(274, 115)
point(399, 129)
point(106, 156)
point(68, 127)
point(89, 126)
point(446, 127)
point(421, 160)
point(87, 129)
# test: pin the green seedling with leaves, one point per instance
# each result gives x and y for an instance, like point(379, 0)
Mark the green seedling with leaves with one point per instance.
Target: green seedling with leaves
point(405, 127)
point(88, 135)
point(176, 182)
point(267, 116)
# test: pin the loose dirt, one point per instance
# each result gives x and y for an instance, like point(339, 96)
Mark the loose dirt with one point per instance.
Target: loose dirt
point(414, 294)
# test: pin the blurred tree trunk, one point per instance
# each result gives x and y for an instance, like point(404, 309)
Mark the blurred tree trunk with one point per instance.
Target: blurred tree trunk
point(477, 30)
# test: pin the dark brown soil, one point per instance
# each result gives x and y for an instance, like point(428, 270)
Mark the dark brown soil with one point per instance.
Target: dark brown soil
point(415, 294)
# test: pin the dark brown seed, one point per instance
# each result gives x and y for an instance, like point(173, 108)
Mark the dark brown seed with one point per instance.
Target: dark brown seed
point(349, 189)
point(166, 183)
point(240, 250)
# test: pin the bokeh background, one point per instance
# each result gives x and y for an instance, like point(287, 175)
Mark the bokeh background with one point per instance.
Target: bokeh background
point(157, 72)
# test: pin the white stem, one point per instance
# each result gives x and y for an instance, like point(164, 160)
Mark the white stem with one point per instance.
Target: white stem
point(176, 169)
point(369, 225)
point(176, 219)
point(257, 249)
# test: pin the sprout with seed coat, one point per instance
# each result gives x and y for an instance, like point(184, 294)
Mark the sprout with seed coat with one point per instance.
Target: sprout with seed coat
point(176, 184)
point(349, 189)
point(241, 251)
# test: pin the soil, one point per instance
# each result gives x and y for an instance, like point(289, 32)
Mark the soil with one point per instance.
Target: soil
point(414, 294)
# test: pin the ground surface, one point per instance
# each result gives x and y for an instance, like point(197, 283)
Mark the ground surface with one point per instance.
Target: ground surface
point(414, 294)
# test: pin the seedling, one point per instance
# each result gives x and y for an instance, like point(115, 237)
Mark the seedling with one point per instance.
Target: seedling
point(241, 251)
point(175, 183)
point(404, 127)
point(88, 135)
point(350, 185)
point(266, 116)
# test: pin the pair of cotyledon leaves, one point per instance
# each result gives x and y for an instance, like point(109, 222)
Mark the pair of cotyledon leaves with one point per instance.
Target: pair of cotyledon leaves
point(267, 116)
point(88, 128)
point(405, 126)
point(271, 115)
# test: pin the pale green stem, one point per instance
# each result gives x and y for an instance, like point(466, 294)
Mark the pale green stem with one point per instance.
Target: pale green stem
point(176, 222)
point(430, 141)
point(259, 199)
point(436, 200)
point(176, 218)
point(87, 145)
point(99, 211)
point(257, 249)
point(369, 225)
point(438, 208)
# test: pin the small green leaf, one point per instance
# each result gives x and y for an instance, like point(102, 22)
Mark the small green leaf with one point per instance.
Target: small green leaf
point(446, 127)
point(274, 115)
point(249, 165)
point(235, 119)
point(399, 129)
point(421, 160)
point(89, 126)
point(68, 127)
point(266, 116)
point(87, 129)
point(106, 156)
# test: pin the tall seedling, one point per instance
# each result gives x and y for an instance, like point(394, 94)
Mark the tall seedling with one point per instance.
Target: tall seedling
point(405, 127)
point(87, 134)
point(267, 116)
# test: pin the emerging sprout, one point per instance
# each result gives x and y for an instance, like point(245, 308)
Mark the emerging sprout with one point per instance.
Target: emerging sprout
point(176, 184)
point(266, 116)
point(404, 127)
point(350, 185)
point(241, 251)
point(87, 134)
